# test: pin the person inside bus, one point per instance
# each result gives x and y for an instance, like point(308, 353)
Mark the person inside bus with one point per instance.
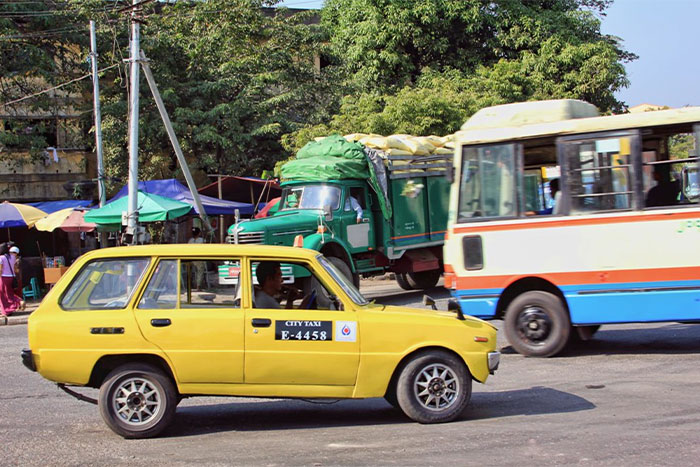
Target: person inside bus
point(556, 197)
point(665, 192)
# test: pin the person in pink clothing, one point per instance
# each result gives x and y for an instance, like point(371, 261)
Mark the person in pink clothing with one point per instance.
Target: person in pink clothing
point(9, 301)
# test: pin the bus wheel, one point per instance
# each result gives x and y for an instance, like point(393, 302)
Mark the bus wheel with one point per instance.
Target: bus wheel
point(537, 324)
point(424, 279)
point(403, 281)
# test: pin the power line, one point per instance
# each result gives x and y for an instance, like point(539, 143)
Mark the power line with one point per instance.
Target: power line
point(44, 33)
point(6, 104)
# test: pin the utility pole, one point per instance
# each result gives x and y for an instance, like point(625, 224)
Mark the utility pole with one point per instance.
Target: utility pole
point(173, 140)
point(134, 59)
point(98, 126)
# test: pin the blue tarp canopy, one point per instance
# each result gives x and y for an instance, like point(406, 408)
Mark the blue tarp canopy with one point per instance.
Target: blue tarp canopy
point(171, 188)
point(52, 206)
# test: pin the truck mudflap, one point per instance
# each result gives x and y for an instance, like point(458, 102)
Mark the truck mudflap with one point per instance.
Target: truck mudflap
point(422, 259)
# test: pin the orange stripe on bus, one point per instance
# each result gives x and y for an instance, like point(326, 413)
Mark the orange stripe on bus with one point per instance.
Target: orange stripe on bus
point(619, 276)
point(530, 223)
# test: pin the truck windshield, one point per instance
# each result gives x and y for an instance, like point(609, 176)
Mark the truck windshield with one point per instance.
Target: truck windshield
point(311, 197)
point(343, 281)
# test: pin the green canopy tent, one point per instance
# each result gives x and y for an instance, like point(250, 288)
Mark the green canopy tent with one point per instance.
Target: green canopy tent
point(151, 208)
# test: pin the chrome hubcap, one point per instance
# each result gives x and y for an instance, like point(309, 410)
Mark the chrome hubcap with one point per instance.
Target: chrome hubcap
point(436, 387)
point(136, 401)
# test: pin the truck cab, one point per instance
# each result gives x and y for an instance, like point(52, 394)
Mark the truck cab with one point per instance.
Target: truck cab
point(365, 227)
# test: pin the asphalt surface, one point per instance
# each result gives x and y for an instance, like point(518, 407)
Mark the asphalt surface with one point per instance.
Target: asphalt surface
point(629, 397)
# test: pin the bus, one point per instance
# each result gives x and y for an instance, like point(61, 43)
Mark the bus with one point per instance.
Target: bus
point(621, 243)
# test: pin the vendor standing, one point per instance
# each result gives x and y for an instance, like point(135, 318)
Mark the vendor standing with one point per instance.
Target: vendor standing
point(9, 301)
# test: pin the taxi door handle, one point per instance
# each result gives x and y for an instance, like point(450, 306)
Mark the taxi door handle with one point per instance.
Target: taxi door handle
point(261, 323)
point(160, 323)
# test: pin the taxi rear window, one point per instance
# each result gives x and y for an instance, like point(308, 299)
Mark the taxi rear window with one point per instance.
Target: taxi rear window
point(105, 284)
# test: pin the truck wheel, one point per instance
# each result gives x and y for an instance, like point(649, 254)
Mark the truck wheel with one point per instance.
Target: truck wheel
point(137, 400)
point(537, 324)
point(424, 279)
point(402, 280)
point(434, 387)
point(345, 269)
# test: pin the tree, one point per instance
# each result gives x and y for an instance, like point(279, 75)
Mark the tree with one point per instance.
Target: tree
point(40, 47)
point(550, 48)
point(234, 78)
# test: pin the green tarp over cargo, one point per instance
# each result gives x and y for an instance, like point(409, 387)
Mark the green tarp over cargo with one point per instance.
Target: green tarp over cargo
point(335, 158)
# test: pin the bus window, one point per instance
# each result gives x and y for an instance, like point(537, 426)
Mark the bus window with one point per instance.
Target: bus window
point(598, 174)
point(487, 185)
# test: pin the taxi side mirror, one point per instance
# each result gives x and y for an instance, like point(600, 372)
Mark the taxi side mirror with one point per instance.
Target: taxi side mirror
point(327, 213)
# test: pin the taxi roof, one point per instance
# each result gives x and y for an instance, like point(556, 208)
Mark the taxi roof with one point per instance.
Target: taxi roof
point(204, 249)
point(564, 117)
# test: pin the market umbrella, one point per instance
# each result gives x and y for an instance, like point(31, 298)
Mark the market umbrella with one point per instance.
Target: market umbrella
point(68, 220)
point(19, 215)
point(151, 208)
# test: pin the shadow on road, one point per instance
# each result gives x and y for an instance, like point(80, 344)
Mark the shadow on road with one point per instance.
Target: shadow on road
point(672, 338)
point(295, 414)
point(282, 415)
point(537, 400)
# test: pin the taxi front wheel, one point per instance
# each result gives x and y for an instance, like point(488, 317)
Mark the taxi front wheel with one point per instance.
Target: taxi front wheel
point(434, 387)
point(137, 400)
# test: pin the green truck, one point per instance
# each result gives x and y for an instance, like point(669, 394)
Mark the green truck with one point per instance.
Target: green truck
point(400, 224)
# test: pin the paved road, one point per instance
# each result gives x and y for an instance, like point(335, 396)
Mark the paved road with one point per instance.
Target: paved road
point(630, 397)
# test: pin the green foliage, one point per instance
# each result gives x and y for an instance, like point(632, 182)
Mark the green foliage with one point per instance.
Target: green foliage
point(242, 90)
point(682, 146)
point(40, 47)
point(517, 50)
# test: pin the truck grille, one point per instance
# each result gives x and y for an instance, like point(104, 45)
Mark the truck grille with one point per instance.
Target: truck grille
point(249, 237)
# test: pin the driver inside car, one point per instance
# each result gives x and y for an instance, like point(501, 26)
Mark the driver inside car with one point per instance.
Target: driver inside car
point(269, 275)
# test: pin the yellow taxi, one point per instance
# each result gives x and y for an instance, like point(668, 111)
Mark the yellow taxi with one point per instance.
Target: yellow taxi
point(149, 325)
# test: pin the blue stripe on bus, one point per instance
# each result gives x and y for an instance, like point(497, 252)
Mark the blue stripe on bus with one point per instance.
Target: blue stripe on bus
point(614, 303)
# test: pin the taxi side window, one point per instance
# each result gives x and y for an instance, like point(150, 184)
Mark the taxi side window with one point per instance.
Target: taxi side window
point(289, 285)
point(161, 292)
point(207, 283)
point(104, 284)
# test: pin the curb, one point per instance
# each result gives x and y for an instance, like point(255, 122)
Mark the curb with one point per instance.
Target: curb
point(12, 320)
point(16, 318)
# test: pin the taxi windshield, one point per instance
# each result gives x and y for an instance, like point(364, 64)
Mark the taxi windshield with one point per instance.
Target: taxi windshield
point(343, 281)
point(311, 197)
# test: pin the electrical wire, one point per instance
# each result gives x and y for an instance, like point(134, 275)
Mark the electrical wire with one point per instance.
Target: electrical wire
point(6, 104)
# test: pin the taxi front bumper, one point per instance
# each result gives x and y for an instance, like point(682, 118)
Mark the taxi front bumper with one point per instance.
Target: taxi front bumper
point(494, 359)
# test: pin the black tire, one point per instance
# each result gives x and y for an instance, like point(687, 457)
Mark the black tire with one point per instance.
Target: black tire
point(537, 324)
point(131, 380)
point(424, 279)
point(443, 375)
point(345, 269)
point(402, 280)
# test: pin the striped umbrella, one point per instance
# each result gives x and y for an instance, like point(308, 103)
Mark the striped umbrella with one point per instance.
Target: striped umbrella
point(68, 220)
point(19, 215)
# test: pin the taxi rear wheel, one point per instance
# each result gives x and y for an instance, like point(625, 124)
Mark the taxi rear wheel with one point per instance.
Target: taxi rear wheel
point(137, 401)
point(434, 387)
